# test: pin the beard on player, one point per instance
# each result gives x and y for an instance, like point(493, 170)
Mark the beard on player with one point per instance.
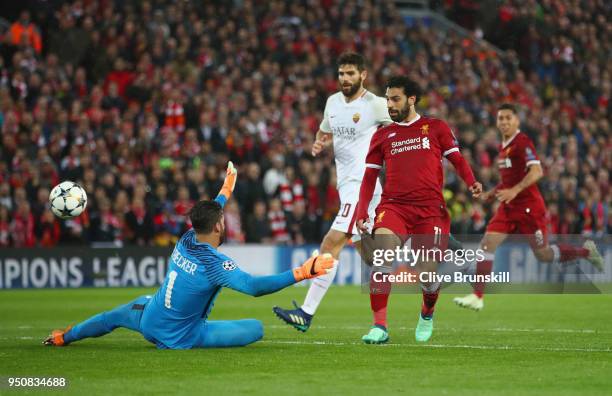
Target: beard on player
point(399, 115)
point(349, 89)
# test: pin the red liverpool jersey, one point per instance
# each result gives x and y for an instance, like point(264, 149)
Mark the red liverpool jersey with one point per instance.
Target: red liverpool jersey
point(412, 153)
point(515, 157)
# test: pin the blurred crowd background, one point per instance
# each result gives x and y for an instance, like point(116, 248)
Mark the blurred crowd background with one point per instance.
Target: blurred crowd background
point(144, 102)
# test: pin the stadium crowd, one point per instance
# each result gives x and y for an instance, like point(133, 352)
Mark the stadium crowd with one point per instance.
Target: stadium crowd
point(143, 103)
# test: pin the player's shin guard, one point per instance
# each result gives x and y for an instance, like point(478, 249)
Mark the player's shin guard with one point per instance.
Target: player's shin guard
point(430, 296)
point(380, 288)
point(483, 267)
point(317, 290)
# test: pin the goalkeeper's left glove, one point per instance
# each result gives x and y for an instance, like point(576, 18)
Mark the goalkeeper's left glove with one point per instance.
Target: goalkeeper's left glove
point(230, 181)
point(315, 266)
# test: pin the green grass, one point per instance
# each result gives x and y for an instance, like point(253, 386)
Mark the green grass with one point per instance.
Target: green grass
point(520, 344)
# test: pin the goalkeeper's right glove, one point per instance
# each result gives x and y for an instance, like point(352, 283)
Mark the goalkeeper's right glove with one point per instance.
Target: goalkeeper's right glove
point(315, 266)
point(230, 181)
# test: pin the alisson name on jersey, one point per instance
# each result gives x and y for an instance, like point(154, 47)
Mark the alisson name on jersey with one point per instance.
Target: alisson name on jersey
point(182, 262)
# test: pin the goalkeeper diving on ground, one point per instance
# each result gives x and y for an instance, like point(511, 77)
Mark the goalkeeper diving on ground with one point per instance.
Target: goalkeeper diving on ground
point(176, 317)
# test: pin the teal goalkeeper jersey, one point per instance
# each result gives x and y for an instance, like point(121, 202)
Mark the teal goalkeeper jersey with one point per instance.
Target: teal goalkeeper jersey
point(196, 274)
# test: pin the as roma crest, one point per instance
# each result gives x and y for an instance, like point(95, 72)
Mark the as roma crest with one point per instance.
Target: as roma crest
point(356, 118)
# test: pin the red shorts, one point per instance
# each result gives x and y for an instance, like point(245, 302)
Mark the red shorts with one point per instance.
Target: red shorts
point(531, 225)
point(429, 226)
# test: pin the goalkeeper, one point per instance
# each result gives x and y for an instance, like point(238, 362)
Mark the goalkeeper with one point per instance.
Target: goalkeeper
point(176, 316)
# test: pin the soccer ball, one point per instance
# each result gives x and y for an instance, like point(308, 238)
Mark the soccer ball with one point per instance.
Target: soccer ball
point(67, 200)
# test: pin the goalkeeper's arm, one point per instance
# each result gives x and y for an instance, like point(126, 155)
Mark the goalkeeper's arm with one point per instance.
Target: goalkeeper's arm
point(228, 185)
point(246, 283)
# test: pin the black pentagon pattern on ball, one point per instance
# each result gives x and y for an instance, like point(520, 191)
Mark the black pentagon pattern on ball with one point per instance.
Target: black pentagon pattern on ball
point(66, 212)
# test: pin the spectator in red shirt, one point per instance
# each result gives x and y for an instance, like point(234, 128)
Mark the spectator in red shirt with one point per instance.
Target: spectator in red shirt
point(48, 230)
point(5, 226)
point(278, 222)
point(120, 76)
point(22, 226)
point(233, 223)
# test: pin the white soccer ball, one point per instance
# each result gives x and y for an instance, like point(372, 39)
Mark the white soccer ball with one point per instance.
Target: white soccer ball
point(68, 200)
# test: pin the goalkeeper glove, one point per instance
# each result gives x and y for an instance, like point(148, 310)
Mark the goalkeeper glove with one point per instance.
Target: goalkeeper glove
point(315, 266)
point(230, 181)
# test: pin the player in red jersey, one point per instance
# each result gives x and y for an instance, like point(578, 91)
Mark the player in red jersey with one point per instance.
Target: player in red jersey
point(522, 209)
point(412, 149)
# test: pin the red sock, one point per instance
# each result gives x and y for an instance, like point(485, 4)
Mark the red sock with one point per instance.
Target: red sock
point(569, 252)
point(483, 267)
point(429, 303)
point(379, 297)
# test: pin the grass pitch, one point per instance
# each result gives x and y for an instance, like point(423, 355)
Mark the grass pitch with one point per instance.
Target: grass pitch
point(520, 344)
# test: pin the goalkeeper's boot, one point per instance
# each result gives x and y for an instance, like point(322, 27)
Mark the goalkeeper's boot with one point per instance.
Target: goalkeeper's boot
point(294, 317)
point(378, 335)
point(471, 301)
point(595, 257)
point(424, 328)
point(56, 338)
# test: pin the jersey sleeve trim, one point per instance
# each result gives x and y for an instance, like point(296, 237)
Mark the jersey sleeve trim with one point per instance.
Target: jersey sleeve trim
point(532, 162)
point(449, 151)
point(373, 166)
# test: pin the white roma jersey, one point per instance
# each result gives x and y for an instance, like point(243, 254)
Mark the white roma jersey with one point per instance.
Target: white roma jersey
point(352, 125)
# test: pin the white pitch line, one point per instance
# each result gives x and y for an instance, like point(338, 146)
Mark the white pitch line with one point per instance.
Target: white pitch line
point(436, 346)
point(443, 346)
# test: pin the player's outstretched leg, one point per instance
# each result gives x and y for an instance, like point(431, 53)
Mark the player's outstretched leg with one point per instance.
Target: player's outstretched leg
point(424, 328)
point(301, 317)
point(127, 316)
point(380, 286)
point(489, 244)
point(475, 300)
point(229, 333)
point(380, 289)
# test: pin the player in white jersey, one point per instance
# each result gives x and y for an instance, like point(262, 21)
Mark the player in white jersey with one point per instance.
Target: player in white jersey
point(350, 119)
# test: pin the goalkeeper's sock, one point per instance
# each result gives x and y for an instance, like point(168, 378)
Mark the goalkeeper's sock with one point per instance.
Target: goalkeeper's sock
point(563, 252)
point(317, 290)
point(379, 298)
point(483, 267)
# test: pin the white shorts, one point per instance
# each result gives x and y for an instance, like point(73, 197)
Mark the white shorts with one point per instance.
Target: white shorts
point(345, 221)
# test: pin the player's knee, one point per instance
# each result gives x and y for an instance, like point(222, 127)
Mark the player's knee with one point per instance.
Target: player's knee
point(332, 242)
point(109, 321)
point(543, 255)
point(488, 248)
point(256, 330)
